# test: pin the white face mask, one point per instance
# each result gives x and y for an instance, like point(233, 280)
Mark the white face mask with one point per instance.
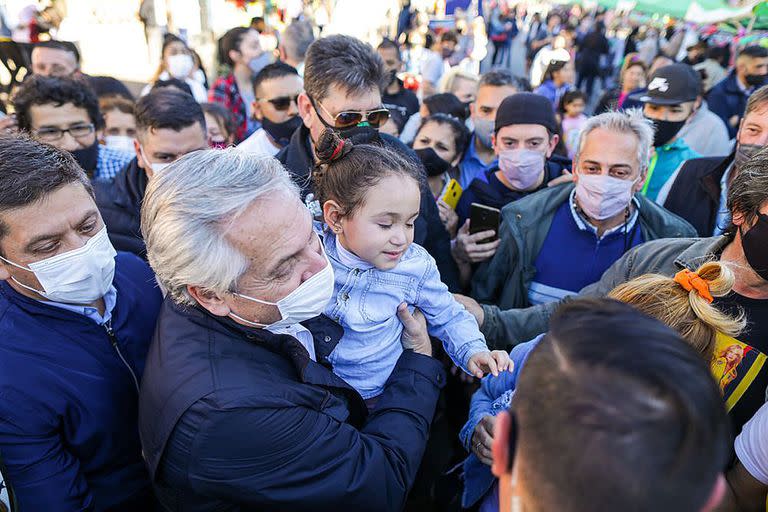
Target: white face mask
point(179, 66)
point(307, 301)
point(80, 276)
point(601, 196)
point(156, 166)
point(119, 142)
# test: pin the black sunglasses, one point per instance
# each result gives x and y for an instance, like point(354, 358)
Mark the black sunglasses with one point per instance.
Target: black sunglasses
point(348, 118)
point(282, 103)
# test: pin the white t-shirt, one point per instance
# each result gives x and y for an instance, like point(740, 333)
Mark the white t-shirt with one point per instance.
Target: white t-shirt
point(258, 143)
point(752, 445)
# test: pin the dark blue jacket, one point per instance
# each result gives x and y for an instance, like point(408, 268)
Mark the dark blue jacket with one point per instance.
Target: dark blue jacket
point(428, 230)
point(68, 404)
point(119, 201)
point(233, 418)
point(726, 99)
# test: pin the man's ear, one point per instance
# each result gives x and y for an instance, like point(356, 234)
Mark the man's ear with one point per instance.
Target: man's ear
point(209, 300)
point(233, 55)
point(472, 109)
point(552, 144)
point(305, 109)
point(500, 448)
point(256, 109)
point(332, 214)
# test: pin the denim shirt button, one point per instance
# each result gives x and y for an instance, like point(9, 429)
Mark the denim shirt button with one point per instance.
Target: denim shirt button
point(327, 339)
point(345, 296)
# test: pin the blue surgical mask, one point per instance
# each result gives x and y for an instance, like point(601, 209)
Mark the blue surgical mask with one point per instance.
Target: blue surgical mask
point(260, 62)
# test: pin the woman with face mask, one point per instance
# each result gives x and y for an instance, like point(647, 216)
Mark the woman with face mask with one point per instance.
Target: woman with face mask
point(440, 144)
point(179, 63)
point(240, 49)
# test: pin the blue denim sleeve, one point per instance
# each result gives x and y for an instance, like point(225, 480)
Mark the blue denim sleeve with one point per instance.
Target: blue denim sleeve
point(491, 388)
point(447, 320)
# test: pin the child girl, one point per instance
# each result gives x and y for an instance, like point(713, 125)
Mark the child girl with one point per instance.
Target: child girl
point(571, 109)
point(370, 197)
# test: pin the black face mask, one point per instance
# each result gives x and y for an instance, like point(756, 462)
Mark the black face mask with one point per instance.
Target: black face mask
point(744, 152)
point(392, 76)
point(433, 164)
point(755, 245)
point(665, 131)
point(360, 134)
point(87, 157)
point(755, 80)
point(281, 132)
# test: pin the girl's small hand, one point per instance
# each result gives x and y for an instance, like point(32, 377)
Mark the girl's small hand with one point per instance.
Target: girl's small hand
point(482, 363)
point(503, 361)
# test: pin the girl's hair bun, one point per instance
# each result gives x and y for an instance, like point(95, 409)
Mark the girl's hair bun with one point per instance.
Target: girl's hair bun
point(331, 147)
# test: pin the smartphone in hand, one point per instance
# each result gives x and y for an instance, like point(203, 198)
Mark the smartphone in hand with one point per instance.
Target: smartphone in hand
point(484, 218)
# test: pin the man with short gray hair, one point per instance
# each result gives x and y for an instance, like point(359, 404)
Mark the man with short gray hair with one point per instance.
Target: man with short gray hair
point(239, 407)
point(586, 225)
point(294, 42)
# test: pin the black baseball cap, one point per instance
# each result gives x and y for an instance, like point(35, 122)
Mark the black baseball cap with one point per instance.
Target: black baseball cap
point(526, 108)
point(671, 85)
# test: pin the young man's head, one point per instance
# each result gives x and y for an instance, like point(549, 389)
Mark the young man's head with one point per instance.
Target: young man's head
point(494, 86)
point(47, 209)
point(525, 136)
point(240, 48)
point(63, 112)
point(612, 411)
point(448, 42)
point(119, 122)
point(343, 79)
point(752, 66)
point(276, 89)
point(55, 58)
point(673, 96)
point(389, 52)
point(169, 124)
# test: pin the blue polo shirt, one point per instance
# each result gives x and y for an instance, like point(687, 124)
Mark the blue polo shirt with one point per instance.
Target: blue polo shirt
point(472, 166)
point(573, 256)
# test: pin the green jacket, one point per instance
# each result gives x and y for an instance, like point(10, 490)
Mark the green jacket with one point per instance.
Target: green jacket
point(504, 329)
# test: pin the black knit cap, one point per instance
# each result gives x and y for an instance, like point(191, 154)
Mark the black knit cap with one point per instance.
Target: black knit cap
point(526, 108)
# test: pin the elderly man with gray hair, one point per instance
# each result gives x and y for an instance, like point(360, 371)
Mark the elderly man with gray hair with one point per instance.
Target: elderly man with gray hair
point(558, 240)
point(239, 408)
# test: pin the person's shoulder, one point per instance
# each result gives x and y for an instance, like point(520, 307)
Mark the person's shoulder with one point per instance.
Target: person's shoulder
point(258, 144)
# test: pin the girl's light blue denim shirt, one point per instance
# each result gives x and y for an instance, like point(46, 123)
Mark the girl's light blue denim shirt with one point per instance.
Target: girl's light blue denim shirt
point(365, 303)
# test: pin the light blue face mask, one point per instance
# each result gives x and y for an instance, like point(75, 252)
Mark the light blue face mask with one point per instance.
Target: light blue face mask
point(260, 62)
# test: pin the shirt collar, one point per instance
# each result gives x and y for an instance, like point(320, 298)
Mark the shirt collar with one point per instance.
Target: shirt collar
point(110, 300)
point(584, 225)
point(471, 154)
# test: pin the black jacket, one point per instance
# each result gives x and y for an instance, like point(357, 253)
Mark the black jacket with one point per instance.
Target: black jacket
point(429, 231)
point(695, 194)
point(119, 202)
point(233, 418)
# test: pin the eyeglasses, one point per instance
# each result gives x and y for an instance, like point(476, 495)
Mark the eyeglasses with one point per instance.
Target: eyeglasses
point(281, 103)
point(51, 134)
point(348, 118)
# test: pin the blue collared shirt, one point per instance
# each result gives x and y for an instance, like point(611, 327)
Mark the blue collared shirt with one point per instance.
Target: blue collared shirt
point(110, 162)
point(472, 166)
point(365, 303)
point(110, 299)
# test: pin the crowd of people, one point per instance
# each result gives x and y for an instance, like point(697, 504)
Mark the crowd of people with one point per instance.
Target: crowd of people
point(306, 285)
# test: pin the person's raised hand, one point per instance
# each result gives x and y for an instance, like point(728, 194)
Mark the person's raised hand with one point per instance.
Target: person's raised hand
point(482, 439)
point(471, 248)
point(482, 363)
point(566, 177)
point(415, 336)
point(471, 305)
point(448, 217)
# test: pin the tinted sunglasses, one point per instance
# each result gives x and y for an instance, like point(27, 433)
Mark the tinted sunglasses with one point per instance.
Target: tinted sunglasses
point(348, 118)
point(282, 103)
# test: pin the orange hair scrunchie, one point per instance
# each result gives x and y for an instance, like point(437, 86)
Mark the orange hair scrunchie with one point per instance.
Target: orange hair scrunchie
point(692, 281)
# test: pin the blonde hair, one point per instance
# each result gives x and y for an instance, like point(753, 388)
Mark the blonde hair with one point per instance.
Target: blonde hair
point(694, 317)
point(448, 80)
